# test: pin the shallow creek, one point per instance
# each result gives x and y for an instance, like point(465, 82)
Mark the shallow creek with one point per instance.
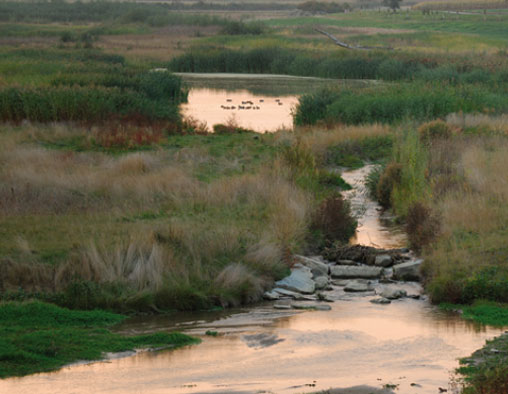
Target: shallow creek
point(409, 343)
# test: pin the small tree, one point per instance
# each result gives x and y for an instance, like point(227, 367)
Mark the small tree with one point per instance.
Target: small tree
point(393, 4)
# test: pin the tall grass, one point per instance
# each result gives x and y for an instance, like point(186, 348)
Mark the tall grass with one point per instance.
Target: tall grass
point(171, 245)
point(340, 65)
point(413, 185)
point(390, 103)
point(152, 231)
point(152, 95)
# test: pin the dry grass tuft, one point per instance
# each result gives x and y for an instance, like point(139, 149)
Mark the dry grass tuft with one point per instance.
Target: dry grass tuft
point(139, 265)
point(496, 123)
point(238, 284)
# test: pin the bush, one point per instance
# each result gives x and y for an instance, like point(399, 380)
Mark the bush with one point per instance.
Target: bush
point(312, 107)
point(392, 69)
point(422, 226)
point(437, 129)
point(315, 7)
point(391, 176)
point(333, 221)
point(239, 28)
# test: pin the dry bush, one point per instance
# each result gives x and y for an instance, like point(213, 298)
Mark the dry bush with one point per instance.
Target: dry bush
point(422, 226)
point(334, 221)
point(191, 125)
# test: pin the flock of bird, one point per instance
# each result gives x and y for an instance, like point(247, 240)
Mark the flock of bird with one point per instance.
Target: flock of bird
point(246, 104)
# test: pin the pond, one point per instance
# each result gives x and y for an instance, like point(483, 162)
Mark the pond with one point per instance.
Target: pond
point(263, 103)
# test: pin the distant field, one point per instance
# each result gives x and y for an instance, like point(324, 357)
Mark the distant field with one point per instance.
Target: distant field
point(462, 5)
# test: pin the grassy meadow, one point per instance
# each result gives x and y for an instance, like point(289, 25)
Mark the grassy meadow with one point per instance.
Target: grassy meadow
point(111, 200)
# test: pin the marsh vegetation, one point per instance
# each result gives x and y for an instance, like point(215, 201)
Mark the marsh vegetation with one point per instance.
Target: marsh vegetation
point(110, 198)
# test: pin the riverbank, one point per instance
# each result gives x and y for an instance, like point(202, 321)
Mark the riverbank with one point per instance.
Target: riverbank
point(40, 337)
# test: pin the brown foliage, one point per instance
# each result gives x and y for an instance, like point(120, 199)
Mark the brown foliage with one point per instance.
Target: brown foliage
point(422, 225)
point(333, 219)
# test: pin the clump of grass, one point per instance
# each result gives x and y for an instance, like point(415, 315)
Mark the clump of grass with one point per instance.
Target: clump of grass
point(236, 284)
point(175, 240)
point(479, 122)
point(411, 155)
point(433, 130)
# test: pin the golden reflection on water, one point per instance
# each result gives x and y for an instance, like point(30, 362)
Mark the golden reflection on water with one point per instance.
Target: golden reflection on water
point(356, 342)
point(262, 113)
point(373, 229)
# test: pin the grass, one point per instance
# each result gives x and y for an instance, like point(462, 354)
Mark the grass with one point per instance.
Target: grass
point(205, 219)
point(126, 214)
point(40, 337)
point(469, 24)
point(488, 313)
point(395, 102)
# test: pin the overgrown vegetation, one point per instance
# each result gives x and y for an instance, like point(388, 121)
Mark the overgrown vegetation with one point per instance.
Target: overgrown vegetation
point(392, 103)
point(339, 65)
point(206, 220)
point(110, 200)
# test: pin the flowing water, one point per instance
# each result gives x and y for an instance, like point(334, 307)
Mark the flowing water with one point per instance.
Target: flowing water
point(259, 349)
point(375, 228)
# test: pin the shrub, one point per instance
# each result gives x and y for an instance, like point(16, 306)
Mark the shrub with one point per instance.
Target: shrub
point(239, 27)
point(391, 176)
point(437, 129)
point(392, 69)
point(333, 221)
point(312, 107)
point(422, 226)
point(315, 7)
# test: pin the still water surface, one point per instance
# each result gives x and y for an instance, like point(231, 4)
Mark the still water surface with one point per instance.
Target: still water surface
point(260, 102)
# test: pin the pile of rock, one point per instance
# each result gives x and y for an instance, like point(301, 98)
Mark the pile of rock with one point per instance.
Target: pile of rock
point(358, 269)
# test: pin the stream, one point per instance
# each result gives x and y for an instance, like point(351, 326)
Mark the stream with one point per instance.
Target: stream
point(408, 343)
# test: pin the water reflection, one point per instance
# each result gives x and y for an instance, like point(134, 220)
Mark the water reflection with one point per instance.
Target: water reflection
point(262, 102)
point(264, 84)
point(255, 112)
point(357, 342)
point(373, 229)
